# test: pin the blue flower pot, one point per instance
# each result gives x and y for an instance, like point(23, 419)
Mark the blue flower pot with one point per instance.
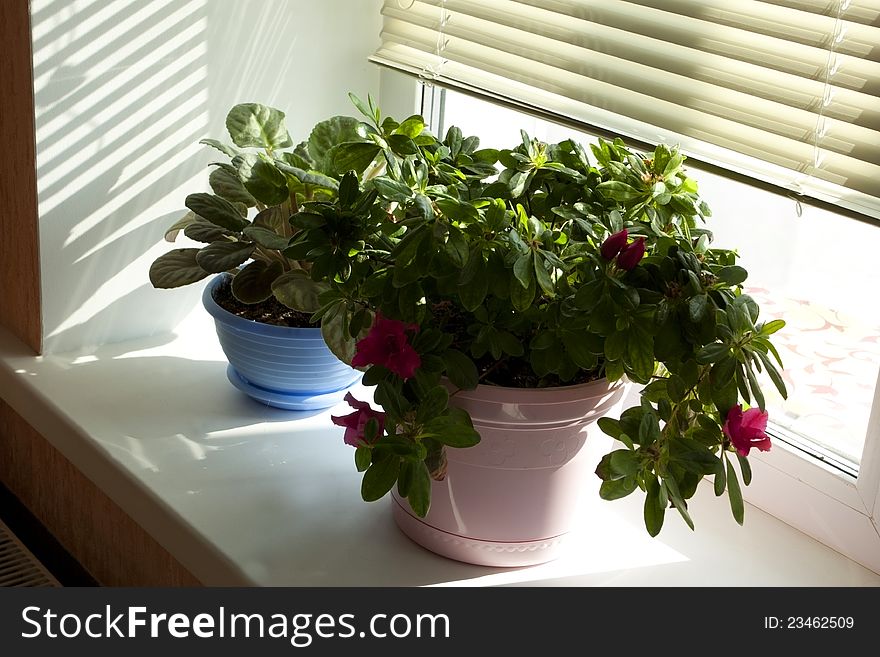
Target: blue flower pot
point(284, 367)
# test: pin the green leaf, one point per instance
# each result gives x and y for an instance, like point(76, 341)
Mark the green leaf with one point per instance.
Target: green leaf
point(228, 185)
point(523, 271)
point(405, 477)
point(223, 148)
point(206, 232)
point(266, 237)
point(456, 247)
point(408, 247)
point(542, 275)
point(334, 330)
point(402, 145)
point(772, 372)
point(654, 511)
point(509, 343)
point(614, 489)
point(362, 108)
point(254, 283)
point(720, 479)
point(273, 218)
point(351, 156)
point(330, 133)
point(745, 468)
point(176, 268)
point(218, 211)
point(296, 290)
point(673, 164)
point(640, 350)
point(451, 431)
point(434, 403)
point(697, 307)
point(312, 178)
point(619, 191)
point(579, 350)
point(380, 476)
point(224, 256)
point(712, 353)
point(254, 125)
point(474, 282)
point(610, 426)
point(411, 127)
point(460, 369)
point(734, 493)
point(732, 275)
point(772, 326)
point(390, 189)
point(262, 179)
point(521, 298)
point(753, 385)
point(677, 500)
point(348, 189)
point(362, 457)
point(186, 220)
point(420, 490)
point(624, 462)
point(649, 429)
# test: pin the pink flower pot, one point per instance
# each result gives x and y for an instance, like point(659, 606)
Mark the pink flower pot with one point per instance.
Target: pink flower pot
point(511, 499)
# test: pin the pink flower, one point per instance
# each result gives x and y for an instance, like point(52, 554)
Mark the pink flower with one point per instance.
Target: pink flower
point(613, 244)
point(388, 345)
point(355, 423)
point(747, 429)
point(631, 254)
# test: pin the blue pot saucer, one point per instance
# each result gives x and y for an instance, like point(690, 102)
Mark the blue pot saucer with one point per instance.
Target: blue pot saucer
point(287, 401)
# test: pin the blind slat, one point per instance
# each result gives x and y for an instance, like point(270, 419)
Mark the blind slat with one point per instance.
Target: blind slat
point(846, 104)
point(725, 86)
point(789, 24)
point(763, 50)
point(866, 12)
point(469, 38)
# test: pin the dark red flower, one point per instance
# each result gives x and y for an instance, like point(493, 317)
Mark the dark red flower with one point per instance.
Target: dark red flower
point(613, 244)
point(387, 344)
point(355, 423)
point(747, 429)
point(631, 254)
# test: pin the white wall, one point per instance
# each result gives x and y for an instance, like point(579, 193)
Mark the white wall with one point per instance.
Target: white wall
point(124, 90)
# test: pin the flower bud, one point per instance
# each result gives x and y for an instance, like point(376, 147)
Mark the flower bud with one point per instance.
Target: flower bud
point(612, 245)
point(631, 255)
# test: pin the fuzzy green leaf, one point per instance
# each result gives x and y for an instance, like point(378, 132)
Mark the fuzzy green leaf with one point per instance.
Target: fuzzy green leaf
point(255, 125)
point(266, 237)
point(254, 283)
point(296, 290)
point(224, 256)
point(176, 268)
point(218, 211)
point(228, 185)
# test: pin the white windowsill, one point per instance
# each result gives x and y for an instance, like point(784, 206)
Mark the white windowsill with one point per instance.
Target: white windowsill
point(244, 494)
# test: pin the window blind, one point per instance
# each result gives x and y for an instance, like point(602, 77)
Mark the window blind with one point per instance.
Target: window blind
point(785, 91)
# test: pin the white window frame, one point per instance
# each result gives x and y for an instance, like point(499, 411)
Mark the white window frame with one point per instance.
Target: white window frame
point(825, 502)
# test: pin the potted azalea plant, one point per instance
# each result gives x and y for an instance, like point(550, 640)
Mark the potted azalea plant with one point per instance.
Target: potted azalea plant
point(261, 299)
point(498, 300)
